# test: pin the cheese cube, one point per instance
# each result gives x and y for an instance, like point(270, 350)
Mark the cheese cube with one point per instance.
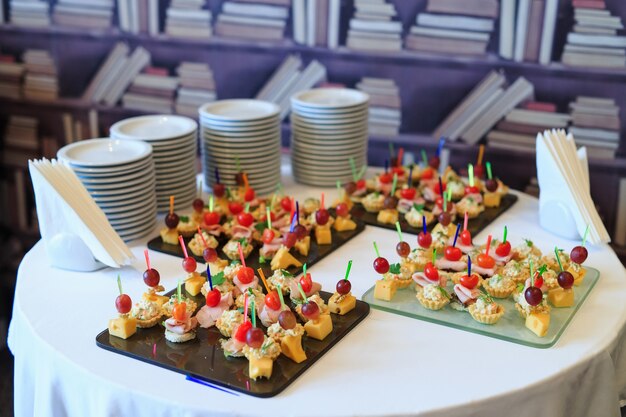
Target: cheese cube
point(343, 224)
point(384, 290)
point(291, 347)
point(303, 246)
point(218, 266)
point(155, 298)
point(194, 283)
point(319, 328)
point(259, 368)
point(323, 235)
point(388, 216)
point(560, 297)
point(538, 323)
point(347, 304)
point(578, 276)
point(283, 260)
point(492, 199)
point(169, 236)
point(123, 327)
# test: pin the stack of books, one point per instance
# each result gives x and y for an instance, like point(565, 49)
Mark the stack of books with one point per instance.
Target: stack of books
point(115, 74)
point(518, 130)
point(261, 20)
point(151, 91)
point(196, 87)
point(11, 74)
point(188, 19)
point(31, 13)
point(316, 22)
point(594, 40)
point(22, 133)
point(385, 108)
point(483, 107)
point(372, 27)
point(41, 81)
point(290, 78)
point(449, 27)
point(528, 35)
point(139, 16)
point(596, 125)
point(87, 14)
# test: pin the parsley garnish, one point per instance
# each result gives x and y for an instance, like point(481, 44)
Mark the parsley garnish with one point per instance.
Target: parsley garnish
point(261, 226)
point(262, 259)
point(184, 219)
point(394, 268)
point(520, 287)
point(218, 279)
point(234, 262)
point(443, 292)
point(419, 208)
point(529, 243)
point(485, 297)
point(286, 273)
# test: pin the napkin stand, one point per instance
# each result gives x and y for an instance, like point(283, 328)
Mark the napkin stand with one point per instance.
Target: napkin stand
point(556, 217)
point(68, 251)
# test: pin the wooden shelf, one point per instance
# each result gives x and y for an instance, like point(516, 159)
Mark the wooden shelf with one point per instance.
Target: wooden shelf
point(404, 57)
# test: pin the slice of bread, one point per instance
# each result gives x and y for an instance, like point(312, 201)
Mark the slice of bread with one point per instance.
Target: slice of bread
point(179, 338)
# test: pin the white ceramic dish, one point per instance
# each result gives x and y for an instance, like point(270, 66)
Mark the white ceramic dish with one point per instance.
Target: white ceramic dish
point(104, 153)
point(330, 98)
point(239, 110)
point(112, 171)
point(158, 127)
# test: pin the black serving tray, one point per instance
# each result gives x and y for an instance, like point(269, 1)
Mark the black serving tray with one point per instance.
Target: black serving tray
point(473, 225)
point(316, 252)
point(204, 360)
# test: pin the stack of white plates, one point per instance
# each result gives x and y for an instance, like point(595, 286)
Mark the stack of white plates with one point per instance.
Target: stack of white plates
point(243, 130)
point(119, 176)
point(174, 145)
point(328, 127)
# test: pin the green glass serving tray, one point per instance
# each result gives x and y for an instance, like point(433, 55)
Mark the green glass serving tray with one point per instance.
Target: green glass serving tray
point(510, 327)
point(203, 358)
point(474, 225)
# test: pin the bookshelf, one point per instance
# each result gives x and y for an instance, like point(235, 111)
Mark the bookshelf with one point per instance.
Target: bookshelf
point(430, 85)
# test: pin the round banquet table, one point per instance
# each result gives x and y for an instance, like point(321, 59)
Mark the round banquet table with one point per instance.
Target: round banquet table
point(389, 365)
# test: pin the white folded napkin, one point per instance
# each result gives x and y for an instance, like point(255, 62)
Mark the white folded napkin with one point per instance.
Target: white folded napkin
point(74, 229)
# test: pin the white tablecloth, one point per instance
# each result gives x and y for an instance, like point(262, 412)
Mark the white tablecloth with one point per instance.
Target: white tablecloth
point(388, 365)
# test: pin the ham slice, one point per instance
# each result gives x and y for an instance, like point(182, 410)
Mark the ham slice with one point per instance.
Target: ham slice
point(233, 346)
point(359, 192)
point(483, 271)
point(502, 260)
point(429, 194)
point(269, 316)
point(450, 206)
point(281, 221)
point(213, 229)
point(465, 294)
point(422, 280)
point(295, 292)
point(443, 263)
point(384, 188)
point(464, 248)
point(207, 316)
point(241, 232)
point(478, 198)
point(243, 287)
point(181, 327)
point(405, 205)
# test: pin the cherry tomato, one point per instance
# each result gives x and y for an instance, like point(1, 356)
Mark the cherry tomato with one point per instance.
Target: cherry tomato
point(437, 189)
point(245, 219)
point(180, 311)
point(424, 239)
point(503, 249)
point(452, 253)
point(431, 272)
point(211, 218)
point(249, 195)
point(386, 178)
point(285, 203)
point(272, 216)
point(272, 300)
point(471, 190)
point(268, 236)
point(469, 281)
point(242, 330)
point(408, 193)
point(428, 174)
point(123, 303)
point(245, 274)
point(213, 297)
point(485, 261)
point(235, 208)
point(466, 237)
point(399, 171)
point(360, 184)
point(306, 282)
point(538, 280)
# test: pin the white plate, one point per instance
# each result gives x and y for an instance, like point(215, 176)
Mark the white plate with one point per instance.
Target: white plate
point(331, 144)
point(116, 178)
point(245, 146)
point(129, 231)
point(242, 136)
point(137, 217)
point(154, 127)
point(330, 115)
point(120, 185)
point(104, 153)
point(174, 144)
point(168, 165)
point(129, 222)
point(175, 149)
point(112, 171)
point(125, 205)
point(182, 158)
point(322, 182)
point(330, 98)
point(238, 127)
point(329, 123)
point(242, 154)
point(238, 110)
point(349, 130)
point(341, 163)
point(145, 187)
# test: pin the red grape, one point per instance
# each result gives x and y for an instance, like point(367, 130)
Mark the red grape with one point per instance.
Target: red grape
point(211, 218)
point(403, 249)
point(180, 311)
point(491, 185)
point(219, 190)
point(245, 219)
point(350, 187)
point(245, 274)
point(386, 178)
point(424, 239)
point(407, 193)
point(198, 205)
point(343, 286)
point(209, 254)
point(171, 220)
point(249, 195)
point(239, 178)
point(469, 281)
point(272, 300)
point(123, 303)
point(565, 279)
point(342, 210)
point(300, 231)
point(479, 170)
point(306, 282)
point(485, 261)
point(434, 162)
point(285, 203)
point(287, 319)
point(390, 202)
point(452, 253)
point(213, 297)
point(268, 236)
point(289, 239)
point(381, 265)
point(533, 296)
point(255, 337)
point(431, 272)
point(445, 218)
point(311, 310)
point(503, 249)
point(466, 237)
point(189, 264)
point(471, 190)
point(321, 216)
point(578, 254)
point(151, 277)
point(235, 208)
point(242, 330)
